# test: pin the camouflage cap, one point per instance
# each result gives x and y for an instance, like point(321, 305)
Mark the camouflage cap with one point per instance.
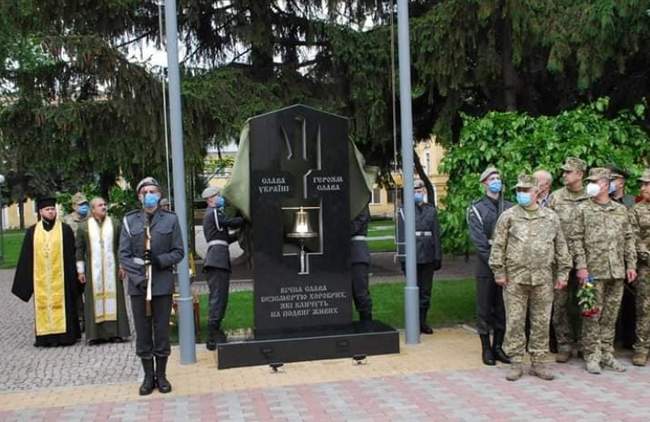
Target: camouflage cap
point(597, 173)
point(574, 164)
point(147, 181)
point(645, 177)
point(525, 181)
point(79, 198)
point(489, 170)
point(619, 172)
point(163, 202)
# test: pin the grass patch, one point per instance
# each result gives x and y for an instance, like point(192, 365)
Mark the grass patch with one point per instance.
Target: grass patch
point(380, 228)
point(452, 302)
point(384, 245)
point(12, 242)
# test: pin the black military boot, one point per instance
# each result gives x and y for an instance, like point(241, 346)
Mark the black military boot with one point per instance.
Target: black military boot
point(365, 316)
point(213, 335)
point(424, 327)
point(149, 382)
point(161, 375)
point(498, 352)
point(487, 355)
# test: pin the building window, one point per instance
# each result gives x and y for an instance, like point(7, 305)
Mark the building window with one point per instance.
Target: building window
point(376, 196)
point(391, 195)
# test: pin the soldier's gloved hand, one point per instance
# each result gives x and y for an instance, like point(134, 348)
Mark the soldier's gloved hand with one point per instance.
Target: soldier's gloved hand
point(155, 261)
point(147, 257)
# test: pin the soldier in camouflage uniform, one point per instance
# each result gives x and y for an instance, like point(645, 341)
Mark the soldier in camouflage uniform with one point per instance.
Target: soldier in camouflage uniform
point(564, 202)
point(603, 248)
point(528, 242)
point(641, 226)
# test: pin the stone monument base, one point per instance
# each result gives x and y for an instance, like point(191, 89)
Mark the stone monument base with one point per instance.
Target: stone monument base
point(356, 339)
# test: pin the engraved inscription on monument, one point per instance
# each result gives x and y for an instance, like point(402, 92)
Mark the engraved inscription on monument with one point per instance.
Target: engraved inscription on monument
point(300, 210)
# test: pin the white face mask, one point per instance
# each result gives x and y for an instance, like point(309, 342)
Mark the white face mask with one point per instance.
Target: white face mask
point(593, 189)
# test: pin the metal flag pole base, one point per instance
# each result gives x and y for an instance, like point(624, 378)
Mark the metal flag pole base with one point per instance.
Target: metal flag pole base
point(412, 323)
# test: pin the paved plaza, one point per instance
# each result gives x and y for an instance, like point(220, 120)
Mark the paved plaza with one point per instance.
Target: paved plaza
point(439, 379)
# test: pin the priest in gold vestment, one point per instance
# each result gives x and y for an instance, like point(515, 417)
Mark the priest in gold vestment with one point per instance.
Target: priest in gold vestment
point(46, 270)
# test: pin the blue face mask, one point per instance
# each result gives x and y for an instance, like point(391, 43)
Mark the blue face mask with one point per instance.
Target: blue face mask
point(524, 199)
point(418, 197)
point(612, 187)
point(83, 210)
point(151, 200)
point(220, 202)
point(495, 186)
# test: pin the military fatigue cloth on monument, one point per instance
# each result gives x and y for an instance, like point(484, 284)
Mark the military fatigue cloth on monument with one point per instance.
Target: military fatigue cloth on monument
point(217, 266)
point(46, 270)
point(428, 252)
point(527, 244)
point(603, 243)
point(360, 264)
point(564, 202)
point(482, 217)
point(97, 257)
point(641, 226)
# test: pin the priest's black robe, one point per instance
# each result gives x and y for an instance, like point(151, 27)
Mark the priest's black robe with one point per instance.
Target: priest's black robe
point(23, 286)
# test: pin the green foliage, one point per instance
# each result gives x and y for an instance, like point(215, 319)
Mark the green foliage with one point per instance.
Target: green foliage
point(122, 201)
point(516, 143)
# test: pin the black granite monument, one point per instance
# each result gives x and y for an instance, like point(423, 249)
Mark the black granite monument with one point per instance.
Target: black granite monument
point(300, 211)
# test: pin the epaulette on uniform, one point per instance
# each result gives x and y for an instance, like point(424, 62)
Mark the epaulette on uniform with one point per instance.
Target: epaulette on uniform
point(132, 212)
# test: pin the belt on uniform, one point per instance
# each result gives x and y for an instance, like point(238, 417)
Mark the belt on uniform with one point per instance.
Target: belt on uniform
point(217, 242)
point(423, 234)
point(358, 237)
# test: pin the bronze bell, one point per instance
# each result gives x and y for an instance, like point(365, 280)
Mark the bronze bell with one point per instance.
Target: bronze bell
point(301, 227)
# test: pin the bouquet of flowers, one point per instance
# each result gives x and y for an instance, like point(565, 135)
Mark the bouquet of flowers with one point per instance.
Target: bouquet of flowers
point(587, 299)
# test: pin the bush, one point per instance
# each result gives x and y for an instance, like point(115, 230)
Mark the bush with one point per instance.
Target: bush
point(516, 142)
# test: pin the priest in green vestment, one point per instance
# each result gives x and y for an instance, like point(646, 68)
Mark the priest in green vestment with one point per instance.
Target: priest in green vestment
point(98, 269)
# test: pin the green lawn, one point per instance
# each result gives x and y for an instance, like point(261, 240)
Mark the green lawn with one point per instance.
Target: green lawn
point(13, 241)
point(378, 228)
point(452, 302)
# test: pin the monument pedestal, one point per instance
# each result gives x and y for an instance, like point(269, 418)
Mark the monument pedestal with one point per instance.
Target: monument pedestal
point(358, 338)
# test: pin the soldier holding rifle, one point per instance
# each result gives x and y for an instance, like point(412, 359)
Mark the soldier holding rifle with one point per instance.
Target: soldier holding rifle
point(150, 245)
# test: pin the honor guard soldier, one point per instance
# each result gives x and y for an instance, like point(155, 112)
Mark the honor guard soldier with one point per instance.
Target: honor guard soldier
point(482, 217)
point(428, 249)
point(150, 246)
point(217, 261)
point(360, 263)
